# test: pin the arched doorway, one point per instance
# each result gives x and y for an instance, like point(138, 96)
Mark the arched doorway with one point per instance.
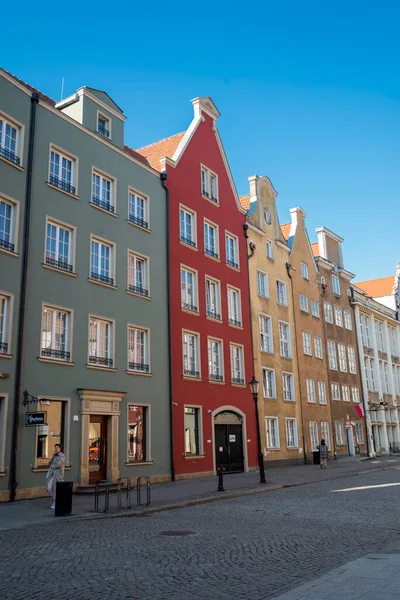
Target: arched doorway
point(229, 452)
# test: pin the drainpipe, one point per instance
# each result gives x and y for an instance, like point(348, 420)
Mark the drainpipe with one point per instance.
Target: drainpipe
point(22, 298)
point(171, 407)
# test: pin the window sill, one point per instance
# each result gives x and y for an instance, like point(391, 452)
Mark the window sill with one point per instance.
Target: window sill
point(5, 355)
point(194, 456)
point(138, 295)
point(195, 248)
point(236, 326)
point(238, 385)
point(316, 316)
point(9, 252)
point(291, 401)
point(141, 373)
point(99, 368)
point(54, 187)
point(284, 305)
point(216, 382)
point(137, 463)
point(264, 297)
point(54, 361)
point(104, 210)
point(288, 357)
point(10, 162)
point(190, 312)
point(216, 259)
point(186, 378)
point(50, 268)
point(45, 469)
point(292, 447)
point(237, 269)
point(267, 352)
point(210, 201)
point(273, 449)
point(214, 320)
point(139, 226)
point(306, 312)
point(267, 398)
point(107, 285)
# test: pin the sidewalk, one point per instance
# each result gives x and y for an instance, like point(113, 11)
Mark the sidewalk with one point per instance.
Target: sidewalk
point(167, 496)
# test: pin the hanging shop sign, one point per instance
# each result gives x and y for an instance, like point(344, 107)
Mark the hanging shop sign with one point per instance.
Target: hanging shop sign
point(33, 419)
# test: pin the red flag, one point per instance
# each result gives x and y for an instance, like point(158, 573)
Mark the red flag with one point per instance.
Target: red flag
point(360, 410)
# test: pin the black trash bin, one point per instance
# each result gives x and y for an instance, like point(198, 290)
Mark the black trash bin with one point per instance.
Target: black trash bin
point(63, 498)
point(316, 457)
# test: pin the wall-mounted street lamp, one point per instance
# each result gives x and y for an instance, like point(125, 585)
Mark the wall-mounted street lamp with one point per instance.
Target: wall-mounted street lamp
point(254, 387)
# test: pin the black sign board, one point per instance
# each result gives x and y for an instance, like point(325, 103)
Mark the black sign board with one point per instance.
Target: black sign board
point(35, 418)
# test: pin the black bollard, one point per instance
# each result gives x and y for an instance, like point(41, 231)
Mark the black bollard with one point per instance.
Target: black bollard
point(220, 480)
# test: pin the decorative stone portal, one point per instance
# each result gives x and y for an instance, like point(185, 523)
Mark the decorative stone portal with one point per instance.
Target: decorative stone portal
point(95, 403)
point(230, 447)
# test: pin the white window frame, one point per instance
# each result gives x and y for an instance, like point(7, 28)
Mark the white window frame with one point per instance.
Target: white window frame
point(185, 304)
point(56, 181)
point(335, 391)
point(183, 238)
point(304, 271)
point(365, 330)
point(332, 356)
point(199, 421)
point(369, 366)
point(318, 349)
point(336, 285)
point(269, 248)
point(347, 320)
point(295, 443)
point(112, 262)
point(219, 377)
point(280, 296)
point(351, 355)
point(144, 290)
point(266, 333)
point(338, 315)
point(325, 434)
point(339, 428)
point(310, 387)
point(315, 308)
point(142, 367)
point(232, 316)
point(213, 309)
point(380, 340)
point(322, 392)
point(307, 348)
point(384, 375)
point(196, 372)
point(233, 263)
point(43, 352)
point(314, 437)
point(6, 331)
point(19, 141)
point(346, 396)
point(206, 190)
point(47, 259)
point(359, 433)
point(113, 192)
point(262, 277)
point(241, 379)
point(111, 344)
point(393, 341)
point(342, 358)
point(269, 435)
point(285, 375)
point(283, 341)
point(272, 395)
point(303, 303)
point(143, 222)
point(11, 246)
point(107, 120)
point(210, 253)
point(355, 395)
point(328, 312)
point(65, 419)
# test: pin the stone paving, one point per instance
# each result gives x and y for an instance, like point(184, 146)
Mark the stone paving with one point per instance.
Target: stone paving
point(255, 547)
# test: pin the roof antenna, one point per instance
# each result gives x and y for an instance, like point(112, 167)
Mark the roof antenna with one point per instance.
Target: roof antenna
point(62, 88)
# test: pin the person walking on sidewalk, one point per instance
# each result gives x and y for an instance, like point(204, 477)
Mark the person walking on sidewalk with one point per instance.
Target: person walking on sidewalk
point(323, 454)
point(55, 472)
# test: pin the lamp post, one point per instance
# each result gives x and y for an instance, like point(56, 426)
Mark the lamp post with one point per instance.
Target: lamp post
point(254, 386)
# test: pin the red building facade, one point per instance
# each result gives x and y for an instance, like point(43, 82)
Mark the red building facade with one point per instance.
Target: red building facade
point(213, 410)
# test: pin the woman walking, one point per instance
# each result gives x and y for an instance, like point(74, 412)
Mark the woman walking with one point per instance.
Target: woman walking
point(55, 472)
point(323, 454)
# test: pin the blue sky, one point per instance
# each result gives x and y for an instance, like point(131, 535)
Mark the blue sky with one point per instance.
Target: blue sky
point(309, 94)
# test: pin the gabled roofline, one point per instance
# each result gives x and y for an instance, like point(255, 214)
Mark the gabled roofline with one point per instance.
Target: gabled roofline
point(84, 91)
point(330, 233)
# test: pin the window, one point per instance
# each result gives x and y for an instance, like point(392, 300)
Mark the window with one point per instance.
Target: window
point(187, 223)
point(318, 347)
point(138, 274)
point(209, 184)
point(284, 340)
point(336, 285)
point(342, 358)
point(6, 302)
point(9, 140)
point(303, 303)
point(345, 393)
point(189, 289)
point(266, 341)
point(352, 360)
point(237, 367)
point(102, 261)
point(213, 299)
point(138, 349)
point(338, 316)
point(234, 307)
point(307, 343)
point(101, 342)
point(325, 433)
point(56, 333)
point(359, 433)
point(396, 378)
point(269, 386)
point(272, 432)
point(215, 360)
point(62, 171)
point(347, 320)
point(335, 391)
point(138, 209)
point(332, 356)
point(393, 341)
point(321, 392)
point(291, 433)
point(52, 433)
point(103, 125)
point(310, 391)
point(328, 312)
point(231, 248)
point(355, 392)
point(383, 369)
point(8, 224)
point(59, 246)
point(211, 240)
point(267, 215)
point(339, 433)
point(192, 433)
point(269, 249)
point(262, 284)
point(137, 433)
point(281, 292)
point(365, 334)
point(304, 271)
point(379, 335)
point(369, 366)
point(314, 308)
point(191, 354)
point(288, 387)
point(103, 192)
point(314, 435)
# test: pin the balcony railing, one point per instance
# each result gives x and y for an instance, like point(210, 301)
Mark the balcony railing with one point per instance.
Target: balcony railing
point(210, 252)
point(134, 366)
point(138, 221)
point(190, 307)
point(101, 360)
point(215, 377)
point(238, 380)
point(3, 347)
point(205, 193)
point(9, 155)
point(58, 264)
point(138, 289)
point(103, 130)
point(214, 199)
point(232, 263)
point(58, 354)
point(103, 204)
point(190, 373)
point(61, 184)
point(102, 278)
point(235, 322)
point(213, 314)
point(188, 241)
point(6, 245)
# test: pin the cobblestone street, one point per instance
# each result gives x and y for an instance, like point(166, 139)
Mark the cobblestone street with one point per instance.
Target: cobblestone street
point(254, 547)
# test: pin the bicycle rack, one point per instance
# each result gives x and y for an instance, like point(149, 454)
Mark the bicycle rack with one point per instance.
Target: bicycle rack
point(98, 491)
point(120, 488)
point(138, 490)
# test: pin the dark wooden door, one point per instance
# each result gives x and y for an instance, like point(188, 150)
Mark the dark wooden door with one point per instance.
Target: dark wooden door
point(229, 448)
point(97, 448)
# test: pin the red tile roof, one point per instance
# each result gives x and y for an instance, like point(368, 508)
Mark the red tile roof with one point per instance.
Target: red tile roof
point(245, 201)
point(135, 154)
point(285, 229)
point(156, 151)
point(376, 288)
